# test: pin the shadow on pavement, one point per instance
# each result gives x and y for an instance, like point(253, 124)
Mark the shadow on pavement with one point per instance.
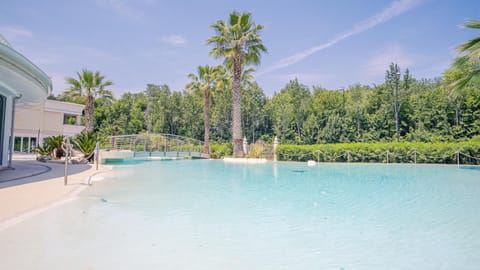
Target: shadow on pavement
point(29, 171)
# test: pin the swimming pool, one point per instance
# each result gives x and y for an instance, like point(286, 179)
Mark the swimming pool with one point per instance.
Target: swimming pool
point(203, 214)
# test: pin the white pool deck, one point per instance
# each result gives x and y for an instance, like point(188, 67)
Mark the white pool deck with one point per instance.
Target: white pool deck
point(34, 185)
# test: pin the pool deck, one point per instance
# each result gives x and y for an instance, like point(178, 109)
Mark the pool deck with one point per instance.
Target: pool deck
point(34, 185)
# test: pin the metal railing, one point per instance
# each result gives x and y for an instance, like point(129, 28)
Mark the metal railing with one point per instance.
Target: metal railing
point(67, 147)
point(413, 156)
point(155, 144)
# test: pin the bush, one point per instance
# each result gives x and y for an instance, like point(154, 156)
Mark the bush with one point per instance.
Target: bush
point(55, 144)
point(256, 150)
point(220, 150)
point(404, 152)
point(45, 150)
point(85, 142)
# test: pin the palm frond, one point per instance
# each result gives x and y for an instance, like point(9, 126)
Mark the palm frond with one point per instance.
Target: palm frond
point(469, 59)
point(472, 24)
point(239, 37)
point(85, 142)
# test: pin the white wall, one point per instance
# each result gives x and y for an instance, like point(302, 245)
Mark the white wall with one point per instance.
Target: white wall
point(46, 120)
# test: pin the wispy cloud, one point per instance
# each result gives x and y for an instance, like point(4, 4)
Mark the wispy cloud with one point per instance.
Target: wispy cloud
point(396, 8)
point(379, 63)
point(122, 8)
point(14, 32)
point(175, 40)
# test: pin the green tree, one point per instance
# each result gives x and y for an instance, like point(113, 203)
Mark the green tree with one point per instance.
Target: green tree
point(92, 85)
point(221, 114)
point(301, 99)
point(157, 112)
point(378, 114)
point(253, 101)
point(329, 108)
point(392, 79)
point(240, 44)
point(456, 97)
point(125, 116)
point(192, 111)
point(282, 113)
point(355, 108)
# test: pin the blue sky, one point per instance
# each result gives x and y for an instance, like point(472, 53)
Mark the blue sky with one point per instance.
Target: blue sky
point(329, 43)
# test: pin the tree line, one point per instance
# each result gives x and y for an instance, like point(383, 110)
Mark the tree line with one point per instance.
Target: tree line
point(428, 111)
point(224, 102)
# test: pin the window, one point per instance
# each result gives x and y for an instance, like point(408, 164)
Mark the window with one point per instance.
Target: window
point(17, 144)
point(69, 119)
point(25, 144)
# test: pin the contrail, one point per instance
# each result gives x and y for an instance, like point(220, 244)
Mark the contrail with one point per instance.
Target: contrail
point(395, 9)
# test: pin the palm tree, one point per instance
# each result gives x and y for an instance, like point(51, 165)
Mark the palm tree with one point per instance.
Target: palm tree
point(206, 81)
point(54, 143)
point(91, 85)
point(85, 142)
point(240, 44)
point(469, 59)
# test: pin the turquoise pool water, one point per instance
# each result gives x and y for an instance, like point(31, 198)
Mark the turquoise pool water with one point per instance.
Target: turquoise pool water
point(210, 215)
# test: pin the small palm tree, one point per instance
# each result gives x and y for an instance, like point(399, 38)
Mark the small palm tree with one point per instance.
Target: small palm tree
point(469, 60)
point(206, 79)
point(85, 142)
point(92, 85)
point(55, 144)
point(240, 44)
point(45, 150)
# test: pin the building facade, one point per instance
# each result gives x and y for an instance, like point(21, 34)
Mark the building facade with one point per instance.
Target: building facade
point(53, 118)
point(21, 83)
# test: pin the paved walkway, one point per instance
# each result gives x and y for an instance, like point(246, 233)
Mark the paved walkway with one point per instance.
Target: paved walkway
point(29, 171)
point(32, 187)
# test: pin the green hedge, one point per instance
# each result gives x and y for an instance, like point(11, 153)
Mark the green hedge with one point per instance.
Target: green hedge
point(220, 150)
point(404, 152)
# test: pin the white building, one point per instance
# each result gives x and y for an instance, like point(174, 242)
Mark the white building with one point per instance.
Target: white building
point(21, 82)
point(53, 118)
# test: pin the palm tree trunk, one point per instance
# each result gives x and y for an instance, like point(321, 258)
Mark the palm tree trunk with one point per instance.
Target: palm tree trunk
point(236, 111)
point(206, 121)
point(89, 107)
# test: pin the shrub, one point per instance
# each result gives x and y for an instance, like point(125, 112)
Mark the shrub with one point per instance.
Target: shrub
point(45, 150)
point(404, 152)
point(85, 142)
point(256, 150)
point(55, 144)
point(220, 150)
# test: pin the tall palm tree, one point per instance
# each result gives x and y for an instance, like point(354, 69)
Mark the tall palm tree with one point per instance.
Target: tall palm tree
point(469, 59)
point(206, 79)
point(90, 84)
point(240, 44)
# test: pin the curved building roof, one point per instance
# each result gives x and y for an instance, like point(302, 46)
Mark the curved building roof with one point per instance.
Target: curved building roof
point(20, 77)
point(4, 41)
